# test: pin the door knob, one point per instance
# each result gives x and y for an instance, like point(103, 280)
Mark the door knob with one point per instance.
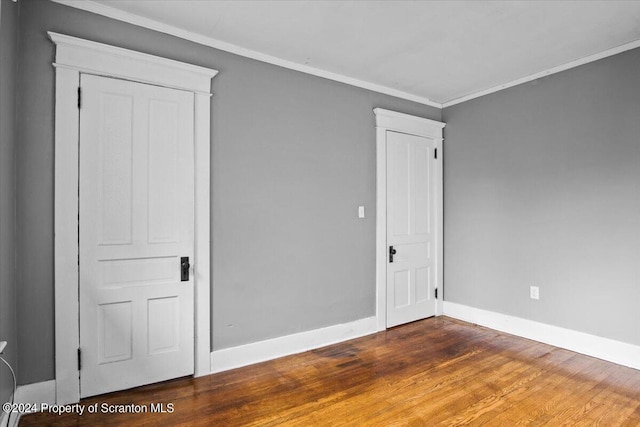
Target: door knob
point(392, 252)
point(184, 269)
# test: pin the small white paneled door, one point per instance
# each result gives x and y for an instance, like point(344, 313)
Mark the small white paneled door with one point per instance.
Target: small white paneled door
point(136, 232)
point(410, 228)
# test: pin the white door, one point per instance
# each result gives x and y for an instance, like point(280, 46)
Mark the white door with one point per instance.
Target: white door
point(136, 223)
point(410, 228)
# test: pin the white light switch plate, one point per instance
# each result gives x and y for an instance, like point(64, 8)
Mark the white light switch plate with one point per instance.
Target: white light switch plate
point(360, 211)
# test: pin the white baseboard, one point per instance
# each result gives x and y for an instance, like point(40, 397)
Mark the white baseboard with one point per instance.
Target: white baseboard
point(236, 357)
point(4, 419)
point(607, 349)
point(38, 393)
point(43, 392)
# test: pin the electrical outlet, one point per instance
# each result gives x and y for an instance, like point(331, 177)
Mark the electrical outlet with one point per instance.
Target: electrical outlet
point(3, 344)
point(534, 292)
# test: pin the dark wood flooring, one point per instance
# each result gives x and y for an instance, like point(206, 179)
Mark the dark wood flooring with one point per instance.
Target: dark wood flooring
point(434, 372)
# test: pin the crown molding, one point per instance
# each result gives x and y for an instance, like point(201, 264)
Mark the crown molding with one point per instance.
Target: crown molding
point(110, 12)
point(548, 72)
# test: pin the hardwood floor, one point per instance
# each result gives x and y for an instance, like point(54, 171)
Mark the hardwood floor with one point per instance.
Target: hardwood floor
point(438, 371)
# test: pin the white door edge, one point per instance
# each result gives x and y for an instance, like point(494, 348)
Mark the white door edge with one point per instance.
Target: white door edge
point(387, 120)
point(74, 56)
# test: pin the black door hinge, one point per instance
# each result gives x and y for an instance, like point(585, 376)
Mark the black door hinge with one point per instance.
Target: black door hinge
point(79, 97)
point(79, 359)
point(435, 154)
point(436, 293)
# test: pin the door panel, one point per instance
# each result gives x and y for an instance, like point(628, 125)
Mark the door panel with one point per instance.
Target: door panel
point(410, 277)
point(163, 171)
point(115, 167)
point(136, 222)
point(115, 335)
point(163, 321)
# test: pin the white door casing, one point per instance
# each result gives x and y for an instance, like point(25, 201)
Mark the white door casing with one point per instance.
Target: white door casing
point(136, 223)
point(410, 226)
point(408, 130)
point(75, 57)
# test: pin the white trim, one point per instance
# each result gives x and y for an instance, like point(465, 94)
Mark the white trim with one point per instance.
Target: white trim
point(4, 416)
point(548, 72)
point(101, 59)
point(202, 261)
point(42, 392)
point(110, 12)
point(74, 57)
point(140, 21)
point(381, 228)
point(405, 123)
point(66, 237)
point(607, 349)
point(387, 120)
point(439, 221)
point(236, 357)
point(37, 393)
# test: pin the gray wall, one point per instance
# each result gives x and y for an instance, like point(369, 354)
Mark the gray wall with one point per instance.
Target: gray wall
point(292, 157)
point(8, 56)
point(542, 187)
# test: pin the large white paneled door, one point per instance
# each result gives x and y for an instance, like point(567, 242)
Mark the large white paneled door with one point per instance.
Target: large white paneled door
point(136, 230)
point(410, 228)
point(409, 256)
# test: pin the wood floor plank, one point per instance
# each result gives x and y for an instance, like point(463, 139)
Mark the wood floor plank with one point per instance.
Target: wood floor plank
point(438, 371)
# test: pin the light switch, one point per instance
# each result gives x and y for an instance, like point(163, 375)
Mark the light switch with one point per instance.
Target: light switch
point(360, 211)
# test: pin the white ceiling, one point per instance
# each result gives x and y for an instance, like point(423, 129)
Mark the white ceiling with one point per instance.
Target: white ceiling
point(437, 51)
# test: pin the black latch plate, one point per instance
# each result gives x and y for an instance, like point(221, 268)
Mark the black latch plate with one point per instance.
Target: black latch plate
point(184, 269)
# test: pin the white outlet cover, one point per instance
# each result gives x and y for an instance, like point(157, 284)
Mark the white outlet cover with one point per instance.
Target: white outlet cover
point(534, 292)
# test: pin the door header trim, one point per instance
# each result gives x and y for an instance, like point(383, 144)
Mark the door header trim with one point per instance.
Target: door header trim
point(405, 123)
point(97, 58)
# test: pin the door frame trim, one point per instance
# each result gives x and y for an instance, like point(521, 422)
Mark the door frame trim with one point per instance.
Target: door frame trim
point(387, 120)
point(74, 57)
